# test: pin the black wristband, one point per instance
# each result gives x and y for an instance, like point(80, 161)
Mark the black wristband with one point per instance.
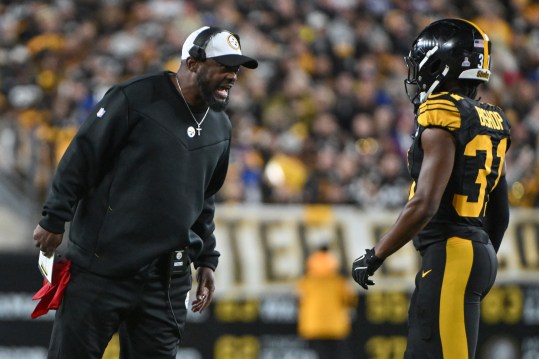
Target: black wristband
point(372, 260)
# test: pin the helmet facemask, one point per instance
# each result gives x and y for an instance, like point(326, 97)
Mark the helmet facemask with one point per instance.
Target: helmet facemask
point(424, 76)
point(411, 83)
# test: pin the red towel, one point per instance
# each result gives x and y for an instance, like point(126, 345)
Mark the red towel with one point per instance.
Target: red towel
point(50, 295)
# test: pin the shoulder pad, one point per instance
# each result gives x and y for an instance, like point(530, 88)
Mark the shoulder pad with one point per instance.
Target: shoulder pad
point(440, 110)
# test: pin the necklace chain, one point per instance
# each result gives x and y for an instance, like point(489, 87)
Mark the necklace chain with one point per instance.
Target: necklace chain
point(188, 108)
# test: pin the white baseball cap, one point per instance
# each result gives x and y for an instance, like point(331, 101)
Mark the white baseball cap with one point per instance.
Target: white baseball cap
point(223, 47)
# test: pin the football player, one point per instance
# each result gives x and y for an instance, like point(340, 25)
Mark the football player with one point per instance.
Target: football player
point(458, 209)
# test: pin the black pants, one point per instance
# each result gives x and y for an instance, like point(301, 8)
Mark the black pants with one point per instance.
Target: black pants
point(445, 307)
point(93, 308)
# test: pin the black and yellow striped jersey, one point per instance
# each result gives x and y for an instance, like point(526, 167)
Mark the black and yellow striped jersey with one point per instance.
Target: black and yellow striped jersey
point(482, 137)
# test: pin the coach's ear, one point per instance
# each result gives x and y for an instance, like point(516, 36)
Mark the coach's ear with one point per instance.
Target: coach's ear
point(192, 64)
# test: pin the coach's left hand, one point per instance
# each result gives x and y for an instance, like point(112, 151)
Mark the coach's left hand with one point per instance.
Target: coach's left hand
point(205, 289)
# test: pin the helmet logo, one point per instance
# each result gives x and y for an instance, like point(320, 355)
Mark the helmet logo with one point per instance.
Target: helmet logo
point(483, 74)
point(466, 62)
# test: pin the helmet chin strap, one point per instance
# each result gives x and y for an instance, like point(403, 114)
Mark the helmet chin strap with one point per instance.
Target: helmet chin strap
point(425, 94)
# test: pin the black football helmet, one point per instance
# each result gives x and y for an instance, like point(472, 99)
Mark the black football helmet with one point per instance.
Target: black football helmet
point(446, 49)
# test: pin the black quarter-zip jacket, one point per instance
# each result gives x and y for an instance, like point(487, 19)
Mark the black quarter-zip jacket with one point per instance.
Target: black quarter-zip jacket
point(134, 185)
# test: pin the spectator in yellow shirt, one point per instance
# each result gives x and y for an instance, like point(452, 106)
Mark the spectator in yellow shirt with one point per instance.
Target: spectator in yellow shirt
point(325, 298)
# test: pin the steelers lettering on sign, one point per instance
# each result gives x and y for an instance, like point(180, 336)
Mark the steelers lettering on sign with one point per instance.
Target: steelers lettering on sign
point(191, 131)
point(233, 42)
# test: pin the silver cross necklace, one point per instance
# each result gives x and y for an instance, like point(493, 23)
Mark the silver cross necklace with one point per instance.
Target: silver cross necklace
point(193, 116)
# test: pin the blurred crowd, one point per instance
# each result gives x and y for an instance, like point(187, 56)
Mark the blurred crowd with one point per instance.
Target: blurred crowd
point(324, 119)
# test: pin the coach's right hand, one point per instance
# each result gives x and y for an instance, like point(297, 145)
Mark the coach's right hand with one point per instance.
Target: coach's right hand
point(47, 241)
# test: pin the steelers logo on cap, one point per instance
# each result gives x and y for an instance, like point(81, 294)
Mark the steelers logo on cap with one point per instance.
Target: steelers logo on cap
point(233, 42)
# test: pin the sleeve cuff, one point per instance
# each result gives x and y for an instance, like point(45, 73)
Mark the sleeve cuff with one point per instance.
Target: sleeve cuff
point(210, 262)
point(52, 224)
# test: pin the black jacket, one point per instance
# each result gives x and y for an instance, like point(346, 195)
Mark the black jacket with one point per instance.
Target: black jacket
point(135, 185)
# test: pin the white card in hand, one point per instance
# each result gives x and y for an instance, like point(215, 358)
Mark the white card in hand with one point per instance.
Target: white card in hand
point(45, 265)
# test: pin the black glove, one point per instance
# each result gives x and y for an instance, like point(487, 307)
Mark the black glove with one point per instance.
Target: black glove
point(364, 267)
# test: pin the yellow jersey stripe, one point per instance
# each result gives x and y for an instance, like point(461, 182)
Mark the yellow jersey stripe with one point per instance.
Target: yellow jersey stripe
point(440, 117)
point(433, 104)
point(436, 95)
point(412, 190)
point(456, 97)
point(433, 101)
point(458, 266)
point(439, 107)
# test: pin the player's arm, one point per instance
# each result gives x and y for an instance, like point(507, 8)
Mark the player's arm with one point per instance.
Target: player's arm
point(497, 214)
point(439, 153)
point(438, 158)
